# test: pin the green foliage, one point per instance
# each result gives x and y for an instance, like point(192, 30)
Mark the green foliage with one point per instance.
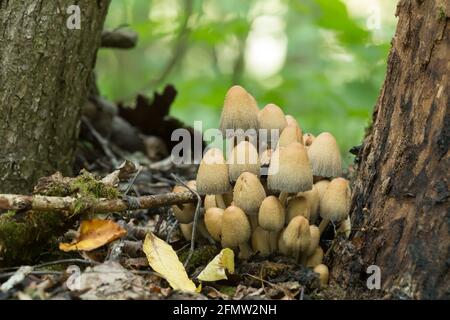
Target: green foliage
point(329, 79)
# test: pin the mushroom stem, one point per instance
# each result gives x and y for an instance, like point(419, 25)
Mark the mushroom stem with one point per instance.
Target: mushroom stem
point(220, 201)
point(245, 251)
point(253, 221)
point(283, 197)
point(323, 224)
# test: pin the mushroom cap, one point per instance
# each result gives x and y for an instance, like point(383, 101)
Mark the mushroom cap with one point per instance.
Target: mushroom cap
point(291, 121)
point(186, 230)
point(297, 236)
point(297, 206)
point(290, 170)
point(271, 215)
point(316, 258)
point(210, 201)
point(236, 228)
point(212, 175)
point(213, 222)
point(321, 186)
point(264, 157)
point(261, 241)
point(312, 196)
point(325, 156)
point(308, 139)
point(323, 272)
point(282, 245)
point(243, 157)
point(184, 212)
point(271, 117)
point(290, 134)
point(315, 238)
point(335, 203)
point(239, 111)
point(248, 193)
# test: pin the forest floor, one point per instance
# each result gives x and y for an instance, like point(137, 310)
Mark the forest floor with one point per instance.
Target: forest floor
point(119, 269)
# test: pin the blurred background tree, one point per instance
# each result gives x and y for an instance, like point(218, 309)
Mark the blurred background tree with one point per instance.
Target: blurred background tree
point(322, 61)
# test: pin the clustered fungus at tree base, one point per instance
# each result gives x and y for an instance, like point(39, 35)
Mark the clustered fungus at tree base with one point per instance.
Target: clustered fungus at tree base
point(286, 208)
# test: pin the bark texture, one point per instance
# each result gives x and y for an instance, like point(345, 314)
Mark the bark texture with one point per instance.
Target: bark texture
point(45, 68)
point(400, 211)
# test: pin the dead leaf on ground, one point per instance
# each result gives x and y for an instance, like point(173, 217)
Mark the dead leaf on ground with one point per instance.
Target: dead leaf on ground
point(94, 234)
point(164, 260)
point(215, 270)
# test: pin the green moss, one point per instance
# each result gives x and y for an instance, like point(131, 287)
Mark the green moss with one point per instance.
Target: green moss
point(228, 290)
point(25, 236)
point(86, 184)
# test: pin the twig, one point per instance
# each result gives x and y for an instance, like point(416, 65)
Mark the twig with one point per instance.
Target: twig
point(133, 180)
point(82, 261)
point(196, 216)
point(72, 205)
point(103, 142)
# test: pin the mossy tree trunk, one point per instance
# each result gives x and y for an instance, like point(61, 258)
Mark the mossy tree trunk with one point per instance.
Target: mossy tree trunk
point(45, 68)
point(400, 212)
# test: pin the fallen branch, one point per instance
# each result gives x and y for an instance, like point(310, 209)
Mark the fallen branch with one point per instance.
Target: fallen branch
point(72, 205)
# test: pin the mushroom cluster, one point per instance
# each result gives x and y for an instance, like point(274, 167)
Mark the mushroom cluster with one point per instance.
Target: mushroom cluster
point(283, 209)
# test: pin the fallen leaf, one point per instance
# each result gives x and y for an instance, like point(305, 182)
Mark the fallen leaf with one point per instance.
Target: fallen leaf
point(94, 234)
point(215, 270)
point(164, 260)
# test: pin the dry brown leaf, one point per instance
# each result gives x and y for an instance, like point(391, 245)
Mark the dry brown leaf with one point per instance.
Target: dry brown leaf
point(94, 234)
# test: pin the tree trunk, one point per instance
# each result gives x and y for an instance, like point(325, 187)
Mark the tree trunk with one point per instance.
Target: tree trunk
point(400, 211)
point(44, 75)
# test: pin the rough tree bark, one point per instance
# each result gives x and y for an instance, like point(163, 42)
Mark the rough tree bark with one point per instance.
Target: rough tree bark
point(45, 68)
point(400, 212)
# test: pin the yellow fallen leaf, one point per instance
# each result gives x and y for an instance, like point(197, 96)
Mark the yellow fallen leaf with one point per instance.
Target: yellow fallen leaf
point(164, 260)
point(215, 270)
point(94, 234)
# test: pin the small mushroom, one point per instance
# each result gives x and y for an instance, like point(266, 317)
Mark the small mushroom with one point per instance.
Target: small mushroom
point(297, 206)
point(261, 241)
point(289, 171)
point(271, 215)
point(323, 272)
point(239, 111)
point(271, 117)
point(312, 197)
point(308, 139)
point(345, 227)
point(335, 203)
point(291, 121)
point(290, 134)
point(236, 228)
point(248, 193)
point(243, 158)
point(297, 236)
point(186, 231)
point(212, 176)
point(321, 186)
point(315, 238)
point(325, 156)
point(184, 212)
point(210, 201)
point(316, 258)
point(213, 222)
point(264, 158)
